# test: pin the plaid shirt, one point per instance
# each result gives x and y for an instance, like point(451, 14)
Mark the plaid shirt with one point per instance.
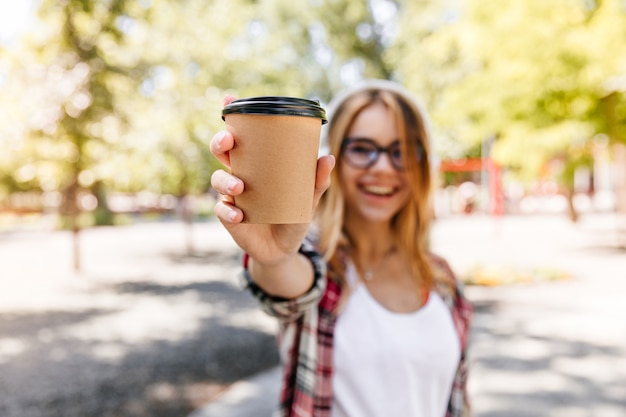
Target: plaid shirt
point(306, 339)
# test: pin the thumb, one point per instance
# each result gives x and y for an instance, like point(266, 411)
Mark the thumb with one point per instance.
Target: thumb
point(228, 98)
point(325, 165)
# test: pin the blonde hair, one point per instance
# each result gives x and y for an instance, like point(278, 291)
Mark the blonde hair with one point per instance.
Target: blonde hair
point(411, 224)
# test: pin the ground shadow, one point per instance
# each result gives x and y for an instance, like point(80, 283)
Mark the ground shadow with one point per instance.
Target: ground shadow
point(574, 389)
point(222, 257)
point(55, 374)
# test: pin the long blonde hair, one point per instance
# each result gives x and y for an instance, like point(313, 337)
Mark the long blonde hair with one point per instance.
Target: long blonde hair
point(411, 224)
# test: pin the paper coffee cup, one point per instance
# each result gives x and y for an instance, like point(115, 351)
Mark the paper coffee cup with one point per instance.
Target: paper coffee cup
point(275, 155)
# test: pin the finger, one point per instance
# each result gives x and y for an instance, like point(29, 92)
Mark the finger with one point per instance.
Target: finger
point(220, 146)
point(226, 184)
point(227, 213)
point(228, 199)
point(325, 166)
point(229, 98)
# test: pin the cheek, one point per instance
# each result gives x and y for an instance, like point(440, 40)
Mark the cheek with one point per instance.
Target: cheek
point(405, 196)
point(406, 190)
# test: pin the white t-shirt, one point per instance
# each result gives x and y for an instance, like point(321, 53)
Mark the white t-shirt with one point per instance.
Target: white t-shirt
point(393, 364)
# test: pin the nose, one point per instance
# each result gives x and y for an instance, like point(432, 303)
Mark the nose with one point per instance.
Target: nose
point(383, 162)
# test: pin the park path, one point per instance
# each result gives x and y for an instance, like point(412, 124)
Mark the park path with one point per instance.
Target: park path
point(145, 330)
point(542, 348)
point(546, 348)
point(148, 330)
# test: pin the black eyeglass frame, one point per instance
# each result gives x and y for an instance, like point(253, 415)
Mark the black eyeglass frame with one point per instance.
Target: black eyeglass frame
point(374, 155)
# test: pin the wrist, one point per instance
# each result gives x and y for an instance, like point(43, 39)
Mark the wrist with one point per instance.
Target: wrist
point(288, 277)
point(270, 268)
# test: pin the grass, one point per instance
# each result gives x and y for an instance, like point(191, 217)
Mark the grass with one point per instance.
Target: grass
point(494, 275)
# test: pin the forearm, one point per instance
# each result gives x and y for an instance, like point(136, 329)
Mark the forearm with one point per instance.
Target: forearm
point(289, 278)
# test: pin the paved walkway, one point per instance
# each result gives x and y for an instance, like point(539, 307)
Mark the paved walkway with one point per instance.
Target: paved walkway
point(546, 349)
point(144, 331)
point(538, 349)
point(147, 330)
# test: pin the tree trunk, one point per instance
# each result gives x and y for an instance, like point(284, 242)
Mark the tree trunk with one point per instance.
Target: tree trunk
point(73, 212)
point(571, 209)
point(187, 216)
point(619, 157)
point(76, 247)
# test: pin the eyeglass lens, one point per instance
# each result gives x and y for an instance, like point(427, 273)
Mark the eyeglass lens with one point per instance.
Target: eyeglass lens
point(363, 153)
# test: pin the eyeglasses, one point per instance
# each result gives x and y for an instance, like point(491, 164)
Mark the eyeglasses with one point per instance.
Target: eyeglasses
point(363, 153)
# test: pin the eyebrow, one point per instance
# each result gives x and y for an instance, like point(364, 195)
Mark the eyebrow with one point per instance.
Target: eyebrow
point(369, 139)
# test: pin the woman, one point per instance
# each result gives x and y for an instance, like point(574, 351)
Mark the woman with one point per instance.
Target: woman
point(371, 323)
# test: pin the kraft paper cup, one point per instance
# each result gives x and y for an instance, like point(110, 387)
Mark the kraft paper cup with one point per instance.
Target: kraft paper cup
point(275, 155)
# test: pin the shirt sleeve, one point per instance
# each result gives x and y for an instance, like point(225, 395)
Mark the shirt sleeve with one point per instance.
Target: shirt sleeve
point(459, 404)
point(291, 309)
point(462, 310)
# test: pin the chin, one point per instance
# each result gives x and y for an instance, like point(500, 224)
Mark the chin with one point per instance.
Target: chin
point(378, 216)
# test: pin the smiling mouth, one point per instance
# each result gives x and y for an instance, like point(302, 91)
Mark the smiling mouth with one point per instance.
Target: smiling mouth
point(379, 190)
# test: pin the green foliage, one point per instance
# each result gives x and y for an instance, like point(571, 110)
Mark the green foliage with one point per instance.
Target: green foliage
point(536, 74)
point(125, 95)
point(128, 94)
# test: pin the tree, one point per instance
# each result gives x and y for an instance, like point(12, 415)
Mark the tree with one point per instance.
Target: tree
point(534, 74)
point(80, 70)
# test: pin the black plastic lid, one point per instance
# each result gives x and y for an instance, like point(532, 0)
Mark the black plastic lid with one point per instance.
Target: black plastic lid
point(287, 106)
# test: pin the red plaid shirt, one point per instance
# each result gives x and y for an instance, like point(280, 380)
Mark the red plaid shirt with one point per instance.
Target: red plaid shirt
point(306, 339)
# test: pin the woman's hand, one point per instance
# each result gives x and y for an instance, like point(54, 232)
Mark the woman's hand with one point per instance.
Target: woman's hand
point(267, 244)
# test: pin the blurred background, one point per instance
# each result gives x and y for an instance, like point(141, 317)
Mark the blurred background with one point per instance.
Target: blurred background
point(118, 289)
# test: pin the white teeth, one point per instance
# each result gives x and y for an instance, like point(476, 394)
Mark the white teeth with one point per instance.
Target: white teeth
point(378, 189)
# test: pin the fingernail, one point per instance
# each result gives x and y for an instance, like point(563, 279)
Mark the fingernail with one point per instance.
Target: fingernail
point(220, 138)
point(231, 184)
point(232, 215)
